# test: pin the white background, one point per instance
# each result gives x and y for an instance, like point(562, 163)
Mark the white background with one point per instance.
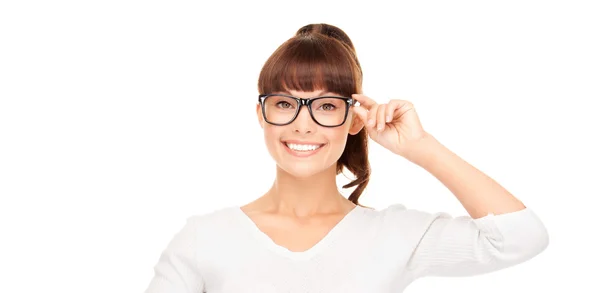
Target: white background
point(120, 119)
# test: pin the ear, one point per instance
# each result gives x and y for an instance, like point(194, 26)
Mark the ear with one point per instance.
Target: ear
point(259, 115)
point(356, 124)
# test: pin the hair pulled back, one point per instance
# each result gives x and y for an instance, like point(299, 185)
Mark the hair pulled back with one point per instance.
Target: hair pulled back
point(322, 56)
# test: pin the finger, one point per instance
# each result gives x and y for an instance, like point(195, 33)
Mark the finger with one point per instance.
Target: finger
point(373, 117)
point(364, 100)
point(405, 107)
point(381, 110)
point(399, 106)
point(393, 106)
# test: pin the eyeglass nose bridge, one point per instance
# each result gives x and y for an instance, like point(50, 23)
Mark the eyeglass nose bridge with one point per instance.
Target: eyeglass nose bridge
point(303, 102)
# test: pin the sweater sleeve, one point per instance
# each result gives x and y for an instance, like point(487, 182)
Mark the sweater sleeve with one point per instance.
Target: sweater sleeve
point(176, 270)
point(463, 246)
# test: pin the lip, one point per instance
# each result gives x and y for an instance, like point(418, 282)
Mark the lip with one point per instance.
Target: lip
point(302, 154)
point(302, 142)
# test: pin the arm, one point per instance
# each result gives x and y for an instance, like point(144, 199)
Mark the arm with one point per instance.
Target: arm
point(500, 231)
point(177, 270)
point(479, 194)
point(463, 246)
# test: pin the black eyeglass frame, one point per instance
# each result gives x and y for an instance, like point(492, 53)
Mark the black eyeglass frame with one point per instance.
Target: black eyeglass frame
point(305, 102)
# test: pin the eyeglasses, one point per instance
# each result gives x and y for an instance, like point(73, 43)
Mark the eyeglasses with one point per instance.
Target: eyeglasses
point(326, 111)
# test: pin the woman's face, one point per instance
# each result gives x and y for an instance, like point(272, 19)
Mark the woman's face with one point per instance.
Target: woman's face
point(304, 148)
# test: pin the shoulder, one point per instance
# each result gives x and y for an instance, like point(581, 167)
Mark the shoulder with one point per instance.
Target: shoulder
point(212, 230)
point(394, 231)
point(399, 212)
point(218, 219)
point(397, 219)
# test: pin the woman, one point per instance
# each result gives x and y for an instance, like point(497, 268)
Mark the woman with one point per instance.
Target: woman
point(302, 235)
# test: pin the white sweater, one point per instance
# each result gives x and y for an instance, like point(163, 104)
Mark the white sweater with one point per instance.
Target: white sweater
point(370, 250)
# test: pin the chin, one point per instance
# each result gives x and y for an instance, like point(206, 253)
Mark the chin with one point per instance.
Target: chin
point(302, 170)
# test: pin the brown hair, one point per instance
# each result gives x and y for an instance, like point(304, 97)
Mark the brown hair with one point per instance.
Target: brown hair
point(322, 56)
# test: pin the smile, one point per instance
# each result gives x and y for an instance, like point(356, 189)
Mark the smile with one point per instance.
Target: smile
point(302, 149)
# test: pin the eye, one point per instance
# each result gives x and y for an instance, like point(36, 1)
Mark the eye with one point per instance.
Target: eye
point(284, 105)
point(328, 107)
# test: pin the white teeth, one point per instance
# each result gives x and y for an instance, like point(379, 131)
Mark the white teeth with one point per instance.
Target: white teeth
point(302, 147)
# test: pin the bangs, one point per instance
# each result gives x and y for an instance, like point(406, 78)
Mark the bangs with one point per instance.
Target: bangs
point(310, 63)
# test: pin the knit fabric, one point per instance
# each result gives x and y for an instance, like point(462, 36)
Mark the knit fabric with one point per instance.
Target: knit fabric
point(377, 251)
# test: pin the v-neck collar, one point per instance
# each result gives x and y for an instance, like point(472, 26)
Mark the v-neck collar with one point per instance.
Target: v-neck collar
point(270, 244)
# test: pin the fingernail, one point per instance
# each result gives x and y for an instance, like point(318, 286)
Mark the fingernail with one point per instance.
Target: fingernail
point(388, 119)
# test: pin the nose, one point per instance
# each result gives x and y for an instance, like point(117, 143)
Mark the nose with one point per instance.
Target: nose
point(303, 122)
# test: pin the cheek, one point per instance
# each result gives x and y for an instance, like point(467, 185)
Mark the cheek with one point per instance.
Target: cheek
point(271, 136)
point(337, 139)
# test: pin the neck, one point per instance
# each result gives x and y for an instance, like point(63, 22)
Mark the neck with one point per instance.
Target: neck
point(308, 195)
